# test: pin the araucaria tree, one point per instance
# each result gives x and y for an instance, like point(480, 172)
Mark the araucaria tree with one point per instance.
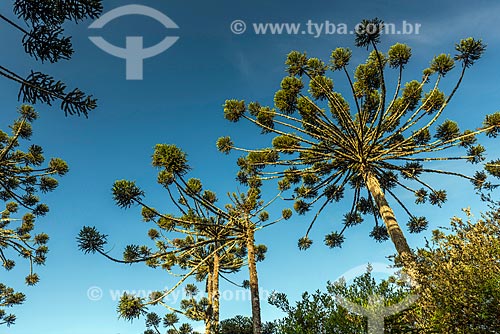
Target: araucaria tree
point(44, 40)
point(378, 141)
point(22, 176)
point(194, 240)
point(204, 239)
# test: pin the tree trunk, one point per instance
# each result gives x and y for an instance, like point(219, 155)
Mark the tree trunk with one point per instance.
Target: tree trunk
point(208, 318)
point(215, 294)
point(254, 282)
point(387, 214)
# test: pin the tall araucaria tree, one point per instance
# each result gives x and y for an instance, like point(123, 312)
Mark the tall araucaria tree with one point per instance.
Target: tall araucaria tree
point(195, 241)
point(43, 39)
point(203, 237)
point(380, 142)
point(211, 241)
point(22, 176)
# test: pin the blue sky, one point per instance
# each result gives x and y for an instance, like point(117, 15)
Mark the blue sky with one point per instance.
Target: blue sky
point(180, 101)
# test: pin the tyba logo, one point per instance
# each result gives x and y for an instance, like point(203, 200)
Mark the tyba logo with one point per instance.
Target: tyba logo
point(134, 52)
point(376, 309)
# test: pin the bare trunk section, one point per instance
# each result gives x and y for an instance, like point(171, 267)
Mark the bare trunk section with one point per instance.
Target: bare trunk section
point(254, 282)
point(387, 214)
point(215, 294)
point(208, 319)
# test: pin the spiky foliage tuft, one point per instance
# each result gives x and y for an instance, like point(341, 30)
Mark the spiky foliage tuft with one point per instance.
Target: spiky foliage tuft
point(90, 240)
point(131, 307)
point(171, 158)
point(126, 193)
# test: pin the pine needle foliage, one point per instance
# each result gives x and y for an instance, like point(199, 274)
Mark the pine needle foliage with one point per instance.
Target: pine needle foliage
point(44, 40)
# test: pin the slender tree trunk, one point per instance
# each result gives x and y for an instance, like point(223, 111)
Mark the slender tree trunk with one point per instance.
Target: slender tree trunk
point(387, 214)
point(254, 282)
point(215, 294)
point(208, 319)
